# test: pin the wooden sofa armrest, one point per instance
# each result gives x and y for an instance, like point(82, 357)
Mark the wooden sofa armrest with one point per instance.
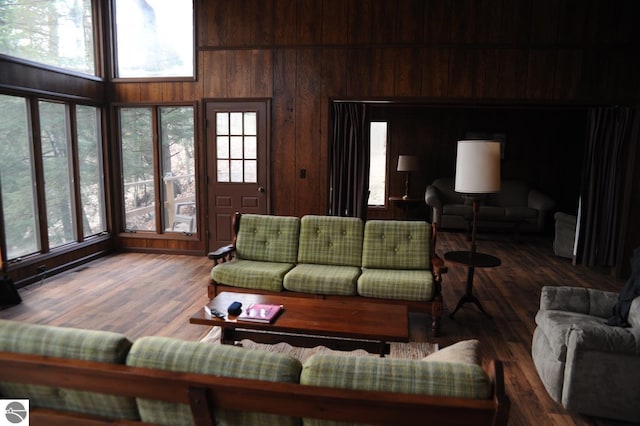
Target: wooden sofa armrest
point(223, 254)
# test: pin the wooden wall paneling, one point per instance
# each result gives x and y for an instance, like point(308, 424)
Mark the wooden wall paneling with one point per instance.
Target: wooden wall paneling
point(435, 72)
point(516, 21)
point(359, 65)
point(335, 22)
point(309, 26)
point(211, 22)
point(572, 20)
point(283, 141)
point(214, 74)
point(127, 92)
point(238, 23)
point(568, 77)
point(311, 189)
point(360, 21)
point(488, 16)
point(286, 22)
point(261, 73)
point(410, 24)
point(383, 19)
point(461, 72)
point(622, 71)
point(238, 74)
point(382, 72)
point(541, 69)
point(262, 31)
point(334, 73)
point(463, 21)
point(151, 92)
point(513, 74)
point(486, 75)
point(437, 21)
point(408, 72)
point(594, 69)
point(544, 21)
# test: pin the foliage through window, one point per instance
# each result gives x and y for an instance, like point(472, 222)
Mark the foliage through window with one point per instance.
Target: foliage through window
point(173, 187)
point(32, 226)
point(52, 32)
point(154, 38)
point(378, 164)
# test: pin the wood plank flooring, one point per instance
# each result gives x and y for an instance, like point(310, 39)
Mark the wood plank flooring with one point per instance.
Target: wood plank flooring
point(150, 294)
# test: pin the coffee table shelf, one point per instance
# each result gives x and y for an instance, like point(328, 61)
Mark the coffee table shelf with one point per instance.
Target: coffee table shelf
point(308, 322)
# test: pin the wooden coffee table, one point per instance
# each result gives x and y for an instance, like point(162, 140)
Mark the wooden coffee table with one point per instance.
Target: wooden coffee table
point(309, 322)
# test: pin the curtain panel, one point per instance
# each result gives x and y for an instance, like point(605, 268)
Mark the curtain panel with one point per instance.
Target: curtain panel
point(603, 177)
point(350, 158)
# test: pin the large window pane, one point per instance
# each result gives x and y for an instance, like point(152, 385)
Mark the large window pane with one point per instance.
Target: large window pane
point(56, 166)
point(52, 32)
point(90, 168)
point(136, 136)
point(154, 38)
point(16, 179)
point(378, 166)
point(178, 165)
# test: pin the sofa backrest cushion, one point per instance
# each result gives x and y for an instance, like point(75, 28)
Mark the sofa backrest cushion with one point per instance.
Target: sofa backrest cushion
point(634, 313)
point(331, 240)
point(446, 191)
point(395, 244)
point(218, 360)
point(397, 375)
point(512, 193)
point(88, 345)
point(268, 238)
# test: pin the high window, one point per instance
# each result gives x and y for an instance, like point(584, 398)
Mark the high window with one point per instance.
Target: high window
point(154, 38)
point(52, 32)
point(51, 175)
point(378, 164)
point(158, 187)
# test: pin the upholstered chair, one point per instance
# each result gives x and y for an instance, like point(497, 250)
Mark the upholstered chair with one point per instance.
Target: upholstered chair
point(586, 365)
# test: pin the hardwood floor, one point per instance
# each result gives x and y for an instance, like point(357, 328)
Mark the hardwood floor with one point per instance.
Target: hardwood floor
point(149, 294)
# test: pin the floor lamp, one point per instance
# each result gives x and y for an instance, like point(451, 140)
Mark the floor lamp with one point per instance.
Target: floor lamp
point(477, 174)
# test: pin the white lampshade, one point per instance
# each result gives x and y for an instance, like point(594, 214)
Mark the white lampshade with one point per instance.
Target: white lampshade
point(408, 163)
point(478, 167)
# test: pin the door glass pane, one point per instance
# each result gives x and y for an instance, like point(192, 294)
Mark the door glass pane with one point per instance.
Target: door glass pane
point(250, 147)
point(236, 147)
point(223, 171)
point(90, 168)
point(137, 169)
point(236, 171)
point(238, 152)
point(178, 169)
point(251, 171)
point(154, 38)
point(222, 146)
point(236, 123)
point(56, 165)
point(222, 123)
point(250, 123)
point(17, 185)
point(378, 166)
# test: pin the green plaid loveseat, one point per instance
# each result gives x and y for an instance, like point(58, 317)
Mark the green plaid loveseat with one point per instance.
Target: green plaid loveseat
point(385, 261)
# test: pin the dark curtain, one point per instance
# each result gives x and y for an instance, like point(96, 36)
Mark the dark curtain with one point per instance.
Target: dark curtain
point(349, 167)
point(602, 184)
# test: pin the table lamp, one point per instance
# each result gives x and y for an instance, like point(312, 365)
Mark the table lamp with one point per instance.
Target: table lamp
point(407, 163)
point(477, 174)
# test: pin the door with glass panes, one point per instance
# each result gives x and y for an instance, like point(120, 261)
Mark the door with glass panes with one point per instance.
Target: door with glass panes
point(237, 164)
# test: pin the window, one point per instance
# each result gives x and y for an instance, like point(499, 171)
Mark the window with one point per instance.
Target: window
point(378, 164)
point(237, 147)
point(173, 185)
point(53, 32)
point(39, 178)
point(154, 38)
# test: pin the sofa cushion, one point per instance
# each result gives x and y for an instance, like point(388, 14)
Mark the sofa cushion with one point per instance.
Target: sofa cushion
point(323, 279)
point(396, 375)
point(491, 212)
point(268, 238)
point(396, 284)
point(330, 240)
point(464, 352)
point(218, 360)
point(253, 274)
point(402, 245)
point(520, 212)
point(463, 210)
point(87, 345)
point(512, 193)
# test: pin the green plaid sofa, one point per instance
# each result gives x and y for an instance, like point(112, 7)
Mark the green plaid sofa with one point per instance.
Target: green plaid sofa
point(385, 261)
point(235, 377)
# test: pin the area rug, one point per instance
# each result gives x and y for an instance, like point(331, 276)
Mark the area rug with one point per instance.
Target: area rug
point(410, 350)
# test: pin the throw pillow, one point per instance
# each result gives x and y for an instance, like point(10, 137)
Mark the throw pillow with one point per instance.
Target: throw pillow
point(464, 352)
